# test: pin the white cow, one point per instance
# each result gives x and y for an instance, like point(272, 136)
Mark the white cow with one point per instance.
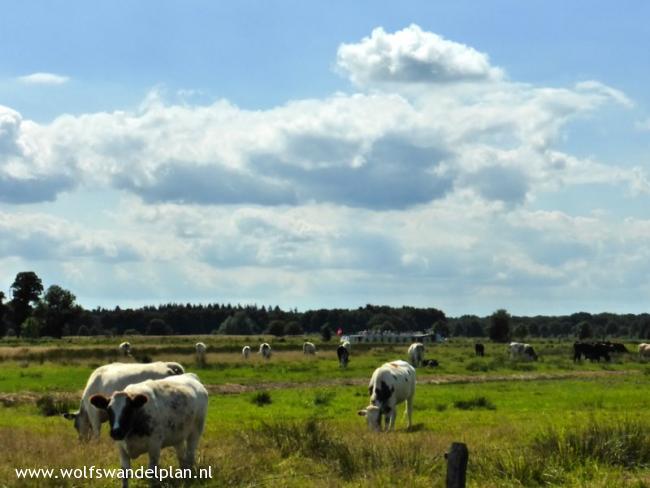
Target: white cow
point(308, 348)
point(644, 350)
point(107, 379)
point(416, 354)
point(265, 350)
point(148, 416)
point(519, 350)
point(125, 349)
point(246, 351)
point(390, 384)
point(200, 352)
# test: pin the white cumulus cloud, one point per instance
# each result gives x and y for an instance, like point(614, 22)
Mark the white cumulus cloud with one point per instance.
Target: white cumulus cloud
point(43, 79)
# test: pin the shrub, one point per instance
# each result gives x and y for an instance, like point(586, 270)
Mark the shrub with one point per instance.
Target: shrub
point(261, 398)
point(49, 406)
point(478, 402)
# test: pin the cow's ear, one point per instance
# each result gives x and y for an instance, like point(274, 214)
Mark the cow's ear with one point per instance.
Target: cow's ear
point(99, 401)
point(70, 415)
point(139, 400)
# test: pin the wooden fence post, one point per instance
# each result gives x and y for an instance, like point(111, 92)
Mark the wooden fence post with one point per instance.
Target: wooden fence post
point(457, 458)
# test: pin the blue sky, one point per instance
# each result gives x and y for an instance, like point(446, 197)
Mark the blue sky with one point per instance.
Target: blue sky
point(464, 155)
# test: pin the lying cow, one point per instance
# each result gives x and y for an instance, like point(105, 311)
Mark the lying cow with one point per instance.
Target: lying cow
point(107, 379)
point(343, 353)
point(519, 350)
point(390, 385)
point(148, 416)
point(308, 348)
point(246, 351)
point(432, 363)
point(125, 349)
point(416, 354)
point(479, 349)
point(200, 348)
point(265, 350)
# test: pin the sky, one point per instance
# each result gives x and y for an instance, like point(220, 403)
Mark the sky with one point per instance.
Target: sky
point(463, 155)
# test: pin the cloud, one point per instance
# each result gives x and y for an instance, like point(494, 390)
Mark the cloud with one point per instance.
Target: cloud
point(413, 56)
point(43, 79)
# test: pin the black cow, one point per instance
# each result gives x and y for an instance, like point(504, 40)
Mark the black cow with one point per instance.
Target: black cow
point(592, 351)
point(479, 349)
point(344, 356)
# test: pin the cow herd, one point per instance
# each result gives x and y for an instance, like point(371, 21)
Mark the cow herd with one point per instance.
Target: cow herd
point(156, 405)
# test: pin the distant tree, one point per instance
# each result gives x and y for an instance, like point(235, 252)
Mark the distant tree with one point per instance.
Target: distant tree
point(158, 326)
point(533, 330)
point(520, 331)
point(584, 330)
point(3, 311)
point(326, 333)
point(293, 327)
point(83, 330)
point(276, 328)
point(26, 291)
point(131, 332)
point(55, 310)
point(31, 328)
point(442, 328)
point(499, 329)
point(611, 329)
point(238, 324)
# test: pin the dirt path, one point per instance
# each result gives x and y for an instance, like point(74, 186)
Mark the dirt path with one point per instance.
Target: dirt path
point(235, 388)
point(12, 399)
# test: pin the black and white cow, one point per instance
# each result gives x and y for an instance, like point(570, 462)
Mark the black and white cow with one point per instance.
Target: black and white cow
point(416, 354)
point(107, 379)
point(390, 385)
point(265, 350)
point(479, 349)
point(520, 350)
point(125, 349)
point(246, 351)
point(148, 416)
point(309, 348)
point(201, 349)
point(343, 353)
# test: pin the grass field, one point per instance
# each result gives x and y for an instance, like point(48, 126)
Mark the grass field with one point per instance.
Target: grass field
point(292, 421)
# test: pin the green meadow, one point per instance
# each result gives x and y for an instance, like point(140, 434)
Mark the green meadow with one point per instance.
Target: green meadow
point(292, 421)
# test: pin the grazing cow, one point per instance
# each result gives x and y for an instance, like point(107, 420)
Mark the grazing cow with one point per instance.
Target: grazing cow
point(343, 353)
point(107, 379)
point(390, 384)
point(479, 349)
point(246, 351)
point(644, 350)
point(265, 350)
point(592, 351)
point(125, 349)
point(200, 352)
point(416, 354)
point(519, 350)
point(618, 347)
point(148, 416)
point(308, 348)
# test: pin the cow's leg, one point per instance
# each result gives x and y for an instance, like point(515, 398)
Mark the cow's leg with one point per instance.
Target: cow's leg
point(180, 449)
point(125, 464)
point(154, 457)
point(95, 423)
point(409, 411)
point(390, 419)
point(190, 448)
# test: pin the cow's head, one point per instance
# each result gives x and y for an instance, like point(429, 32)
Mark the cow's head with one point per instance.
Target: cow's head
point(373, 416)
point(123, 411)
point(81, 423)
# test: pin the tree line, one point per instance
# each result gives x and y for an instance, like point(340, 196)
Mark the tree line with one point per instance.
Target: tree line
point(33, 311)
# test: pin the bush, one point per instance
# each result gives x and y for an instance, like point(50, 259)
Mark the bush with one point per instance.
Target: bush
point(478, 402)
point(262, 398)
point(49, 406)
